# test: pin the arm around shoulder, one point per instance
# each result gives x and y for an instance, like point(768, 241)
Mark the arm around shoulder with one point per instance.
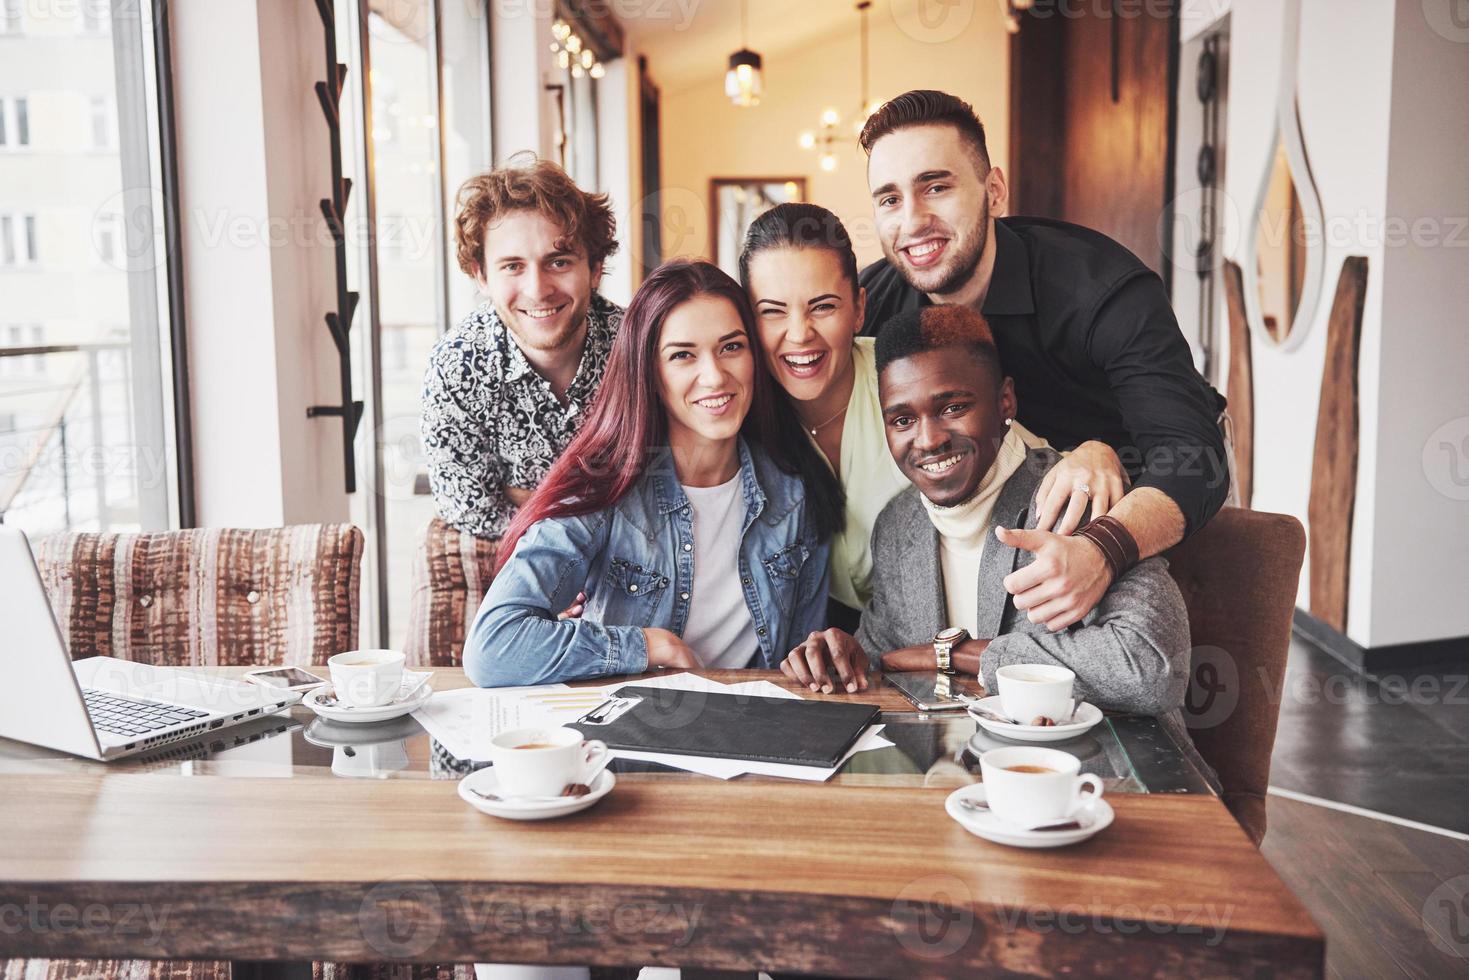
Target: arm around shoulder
point(1130, 654)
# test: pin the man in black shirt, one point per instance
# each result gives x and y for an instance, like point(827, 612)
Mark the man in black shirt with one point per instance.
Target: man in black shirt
point(1084, 328)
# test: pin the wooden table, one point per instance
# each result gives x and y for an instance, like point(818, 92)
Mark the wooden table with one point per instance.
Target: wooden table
point(837, 878)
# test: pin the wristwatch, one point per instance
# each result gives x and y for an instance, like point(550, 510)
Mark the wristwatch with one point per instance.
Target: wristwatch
point(944, 644)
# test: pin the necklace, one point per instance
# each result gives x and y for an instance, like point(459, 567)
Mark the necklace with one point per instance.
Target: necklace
point(823, 425)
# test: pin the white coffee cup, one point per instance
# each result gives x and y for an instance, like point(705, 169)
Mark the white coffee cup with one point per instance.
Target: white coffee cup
point(366, 678)
point(1028, 691)
point(544, 761)
point(1029, 799)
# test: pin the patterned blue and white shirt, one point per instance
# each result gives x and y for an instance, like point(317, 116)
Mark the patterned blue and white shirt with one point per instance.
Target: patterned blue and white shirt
point(491, 422)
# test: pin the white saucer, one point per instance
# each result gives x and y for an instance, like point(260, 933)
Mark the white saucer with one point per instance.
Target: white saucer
point(485, 781)
point(316, 701)
point(1094, 818)
point(1087, 717)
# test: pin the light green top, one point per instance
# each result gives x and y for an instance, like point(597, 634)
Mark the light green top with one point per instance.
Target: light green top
point(870, 478)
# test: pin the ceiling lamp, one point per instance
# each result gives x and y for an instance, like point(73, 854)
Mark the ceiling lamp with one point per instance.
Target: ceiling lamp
point(572, 53)
point(742, 83)
point(827, 139)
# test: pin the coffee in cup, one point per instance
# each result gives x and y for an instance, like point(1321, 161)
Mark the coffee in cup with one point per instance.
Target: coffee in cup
point(366, 678)
point(544, 761)
point(1028, 787)
point(1031, 691)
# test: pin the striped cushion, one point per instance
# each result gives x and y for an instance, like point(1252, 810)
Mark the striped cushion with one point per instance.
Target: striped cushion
point(451, 575)
point(215, 597)
point(113, 970)
point(218, 597)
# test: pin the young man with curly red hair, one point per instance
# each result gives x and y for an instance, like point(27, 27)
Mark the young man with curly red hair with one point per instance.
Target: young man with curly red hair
point(507, 388)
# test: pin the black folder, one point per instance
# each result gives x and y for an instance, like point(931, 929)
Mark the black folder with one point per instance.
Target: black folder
point(728, 726)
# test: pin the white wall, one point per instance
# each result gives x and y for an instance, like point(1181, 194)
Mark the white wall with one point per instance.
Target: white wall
point(1420, 578)
point(705, 136)
point(617, 112)
point(524, 117)
point(258, 268)
point(1386, 149)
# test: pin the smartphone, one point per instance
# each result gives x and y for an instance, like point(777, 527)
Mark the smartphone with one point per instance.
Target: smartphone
point(930, 690)
point(284, 678)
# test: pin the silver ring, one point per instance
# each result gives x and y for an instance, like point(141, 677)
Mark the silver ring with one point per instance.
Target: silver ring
point(1084, 489)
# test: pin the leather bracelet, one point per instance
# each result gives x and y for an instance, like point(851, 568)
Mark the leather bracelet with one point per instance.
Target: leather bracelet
point(1115, 541)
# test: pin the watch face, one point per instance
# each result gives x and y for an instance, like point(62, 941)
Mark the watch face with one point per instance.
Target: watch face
point(951, 634)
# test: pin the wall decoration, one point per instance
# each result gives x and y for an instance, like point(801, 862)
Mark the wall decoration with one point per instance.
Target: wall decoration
point(1240, 390)
point(1334, 466)
point(1283, 250)
point(735, 203)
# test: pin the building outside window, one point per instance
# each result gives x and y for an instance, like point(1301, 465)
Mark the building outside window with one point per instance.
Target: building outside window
point(90, 444)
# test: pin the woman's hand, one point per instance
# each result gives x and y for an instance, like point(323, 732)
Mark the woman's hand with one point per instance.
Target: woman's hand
point(1092, 472)
point(667, 649)
point(575, 610)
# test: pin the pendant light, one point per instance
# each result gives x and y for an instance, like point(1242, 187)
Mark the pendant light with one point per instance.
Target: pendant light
point(828, 138)
point(742, 83)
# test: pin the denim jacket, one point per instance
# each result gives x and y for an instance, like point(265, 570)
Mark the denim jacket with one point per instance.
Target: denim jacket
point(635, 562)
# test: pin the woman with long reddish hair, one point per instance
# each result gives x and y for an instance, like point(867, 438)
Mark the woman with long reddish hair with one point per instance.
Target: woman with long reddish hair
point(689, 512)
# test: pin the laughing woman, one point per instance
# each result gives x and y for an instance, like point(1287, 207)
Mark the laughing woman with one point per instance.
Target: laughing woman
point(801, 273)
point(695, 523)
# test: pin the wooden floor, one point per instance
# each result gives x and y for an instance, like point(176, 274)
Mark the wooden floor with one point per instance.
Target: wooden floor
point(1393, 901)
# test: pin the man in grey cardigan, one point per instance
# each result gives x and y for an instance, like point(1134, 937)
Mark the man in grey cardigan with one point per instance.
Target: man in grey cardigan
point(950, 552)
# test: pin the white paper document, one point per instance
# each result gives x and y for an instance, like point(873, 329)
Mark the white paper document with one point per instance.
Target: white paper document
point(465, 720)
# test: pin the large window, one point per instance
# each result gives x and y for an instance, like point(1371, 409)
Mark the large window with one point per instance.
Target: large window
point(417, 128)
point(85, 415)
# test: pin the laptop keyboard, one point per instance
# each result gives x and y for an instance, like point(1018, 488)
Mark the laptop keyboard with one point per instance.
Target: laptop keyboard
point(133, 716)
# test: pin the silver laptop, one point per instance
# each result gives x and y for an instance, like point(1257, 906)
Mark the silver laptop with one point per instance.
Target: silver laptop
point(99, 707)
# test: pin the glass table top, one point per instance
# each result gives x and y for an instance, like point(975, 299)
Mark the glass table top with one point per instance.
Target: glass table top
point(1132, 754)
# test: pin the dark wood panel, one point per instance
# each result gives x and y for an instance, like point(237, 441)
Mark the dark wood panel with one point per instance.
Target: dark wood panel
point(1334, 466)
point(1080, 154)
point(1037, 116)
point(1241, 382)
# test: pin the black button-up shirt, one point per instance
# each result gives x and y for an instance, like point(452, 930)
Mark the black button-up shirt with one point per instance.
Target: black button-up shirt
point(1087, 333)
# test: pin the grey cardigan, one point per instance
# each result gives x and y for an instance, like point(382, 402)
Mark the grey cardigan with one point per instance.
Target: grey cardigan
point(1131, 653)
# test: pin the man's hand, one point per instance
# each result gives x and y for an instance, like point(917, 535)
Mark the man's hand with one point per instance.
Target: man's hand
point(577, 607)
point(1091, 465)
point(667, 649)
point(1065, 582)
point(829, 649)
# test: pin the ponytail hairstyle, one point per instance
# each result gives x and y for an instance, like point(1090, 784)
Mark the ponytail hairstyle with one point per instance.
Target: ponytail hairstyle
point(799, 226)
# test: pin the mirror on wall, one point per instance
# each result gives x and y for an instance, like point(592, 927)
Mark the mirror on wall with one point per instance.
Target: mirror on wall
point(1281, 243)
point(735, 203)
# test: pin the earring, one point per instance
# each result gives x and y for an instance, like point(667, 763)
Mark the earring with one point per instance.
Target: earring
point(1008, 422)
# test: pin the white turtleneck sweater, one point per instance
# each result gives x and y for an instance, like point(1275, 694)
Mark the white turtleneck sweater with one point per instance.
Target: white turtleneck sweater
point(962, 537)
